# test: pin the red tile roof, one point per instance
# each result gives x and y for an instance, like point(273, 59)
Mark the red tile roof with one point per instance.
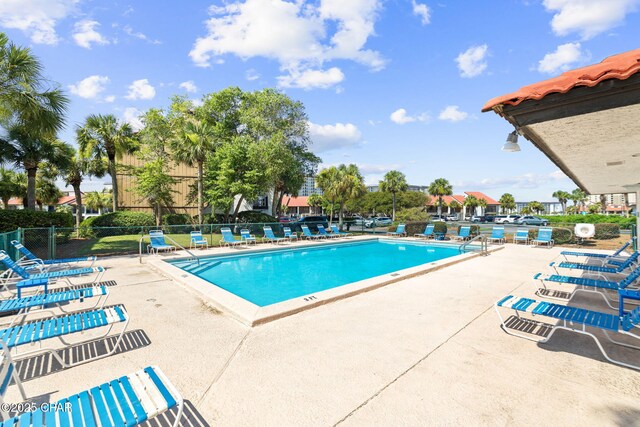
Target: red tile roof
point(433, 201)
point(296, 202)
point(620, 67)
point(479, 195)
point(67, 200)
point(15, 201)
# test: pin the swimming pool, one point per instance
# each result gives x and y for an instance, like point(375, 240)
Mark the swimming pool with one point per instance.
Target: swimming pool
point(273, 276)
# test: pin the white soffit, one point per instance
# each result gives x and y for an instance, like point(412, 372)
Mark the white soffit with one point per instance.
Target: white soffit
point(601, 149)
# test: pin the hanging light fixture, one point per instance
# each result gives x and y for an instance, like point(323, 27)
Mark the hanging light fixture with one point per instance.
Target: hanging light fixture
point(511, 145)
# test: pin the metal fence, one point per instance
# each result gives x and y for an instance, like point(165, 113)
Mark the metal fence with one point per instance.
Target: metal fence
point(5, 242)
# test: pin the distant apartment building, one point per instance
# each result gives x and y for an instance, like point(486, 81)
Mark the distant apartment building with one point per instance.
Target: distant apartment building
point(421, 188)
point(309, 187)
point(615, 203)
point(549, 207)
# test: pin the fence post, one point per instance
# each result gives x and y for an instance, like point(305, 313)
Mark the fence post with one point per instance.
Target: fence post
point(52, 242)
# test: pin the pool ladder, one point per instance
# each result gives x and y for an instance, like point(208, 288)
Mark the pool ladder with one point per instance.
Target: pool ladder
point(484, 244)
point(193, 256)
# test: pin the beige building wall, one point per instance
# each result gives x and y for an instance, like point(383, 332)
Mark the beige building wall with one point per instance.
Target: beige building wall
point(128, 199)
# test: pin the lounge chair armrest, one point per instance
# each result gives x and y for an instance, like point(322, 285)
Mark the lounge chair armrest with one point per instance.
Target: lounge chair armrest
point(552, 264)
point(536, 276)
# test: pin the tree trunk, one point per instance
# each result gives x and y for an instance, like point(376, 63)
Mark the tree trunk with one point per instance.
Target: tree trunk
point(393, 215)
point(340, 213)
point(439, 206)
point(280, 197)
point(200, 197)
point(331, 212)
point(237, 209)
point(114, 182)
point(157, 212)
point(274, 208)
point(5, 202)
point(78, 194)
point(31, 188)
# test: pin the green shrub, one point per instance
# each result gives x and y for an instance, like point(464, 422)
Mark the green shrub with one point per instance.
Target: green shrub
point(214, 219)
point(440, 227)
point(255, 216)
point(607, 231)
point(560, 236)
point(413, 227)
point(412, 215)
point(176, 219)
point(13, 219)
point(625, 223)
point(116, 223)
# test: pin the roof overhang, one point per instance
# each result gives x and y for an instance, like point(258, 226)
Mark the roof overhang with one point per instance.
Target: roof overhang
point(591, 133)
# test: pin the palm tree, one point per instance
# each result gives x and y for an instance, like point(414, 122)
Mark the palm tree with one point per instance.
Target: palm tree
point(438, 188)
point(578, 197)
point(102, 136)
point(97, 201)
point(562, 197)
point(194, 142)
point(603, 203)
point(472, 203)
point(328, 180)
point(47, 192)
point(350, 186)
point(536, 207)
point(454, 205)
point(25, 98)
point(483, 204)
point(28, 150)
point(8, 186)
point(394, 182)
point(315, 201)
point(508, 202)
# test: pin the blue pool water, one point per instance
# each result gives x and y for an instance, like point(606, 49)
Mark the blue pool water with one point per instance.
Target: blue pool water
point(269, 277)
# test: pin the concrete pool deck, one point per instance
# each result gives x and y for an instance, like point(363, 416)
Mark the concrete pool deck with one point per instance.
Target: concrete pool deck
point(423, 351)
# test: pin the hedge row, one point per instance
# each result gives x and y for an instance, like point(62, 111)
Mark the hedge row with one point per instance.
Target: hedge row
point(592, 219)
point(120, 222)
point(22, 218)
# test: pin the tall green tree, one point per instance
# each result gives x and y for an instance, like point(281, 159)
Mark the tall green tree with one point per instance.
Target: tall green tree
point(350, 187)
point(29, 150)
point(8, 186)
point(562, 197)
point(155, 186)
point(97, 201)
point(102, 136)
point(471, 202)
point(27, 98)
point(328, 180)
point(535, 206)
point(315, 201)
point(47, 192)
point(439, 188)
point(394, 182)
point(603, 203)
point(579, 198)
point(508, 202)
point(454, 205)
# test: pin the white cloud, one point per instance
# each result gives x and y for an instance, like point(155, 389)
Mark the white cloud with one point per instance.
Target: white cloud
point(401, 117)
point(588, 17)
point(141, 89)
point(311, 79)
point(89, 87)
point(36, 18)
point(109, 98)
point(132, 115)
point(452, 113)
point(307, 35)
point(471, 62)
point(189, 86)
point(562, 59)
point(130, 32)
point(84, 33)
point(330, 137)
point(421, 10)
point(252, 75)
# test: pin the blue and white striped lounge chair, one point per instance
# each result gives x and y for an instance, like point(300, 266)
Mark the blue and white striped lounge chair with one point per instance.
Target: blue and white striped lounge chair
point(247, 237)
point(497, 234)
point(629, 263)
point(616, 254)
point(464, 233)
point(228, 239)
point(269, 236)
point(572, 319)
point(24, 278)
point(198, 240)
point(37, 331)
point(55, 298)
point(427, 233)
point(323, 232)
point(130, 400)
point(307, 234)
point(157, 243)
point(399, 231)
point(522, 235)
point(288, 234)
point(586, 284)
point(28, 258)
point(337, 232)
point(544, 237)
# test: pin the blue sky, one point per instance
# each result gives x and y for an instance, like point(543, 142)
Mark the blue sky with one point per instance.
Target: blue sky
point(395, 84)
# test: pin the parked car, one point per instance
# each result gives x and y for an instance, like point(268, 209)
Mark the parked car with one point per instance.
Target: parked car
point(506, 219)
point(284, 219)
point(452, 217)
point(312, 221)
point(358, 221)
point(478, 218)
point(438, 218)
point(531, 220)
point(489, 218)
point(379, 221)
